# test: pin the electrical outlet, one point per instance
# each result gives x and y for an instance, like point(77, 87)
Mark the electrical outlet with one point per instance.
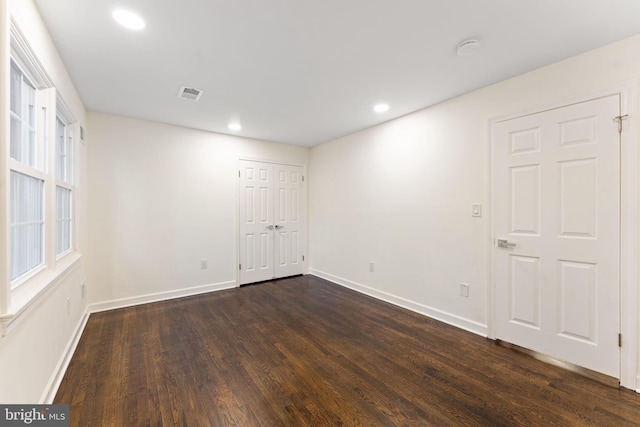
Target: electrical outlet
point(371, 267)
point(204, 264)
point(464, 290)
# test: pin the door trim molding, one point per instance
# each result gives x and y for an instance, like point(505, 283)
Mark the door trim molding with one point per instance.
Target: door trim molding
point(239, 159)
point(629, 221)
point(629, 214)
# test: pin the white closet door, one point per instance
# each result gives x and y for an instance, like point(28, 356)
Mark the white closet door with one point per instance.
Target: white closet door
point(256, 222)
point(289, 221)
point(272, 221)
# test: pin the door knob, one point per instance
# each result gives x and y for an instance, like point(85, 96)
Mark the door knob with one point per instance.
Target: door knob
point(504, 243)
point(278, 227)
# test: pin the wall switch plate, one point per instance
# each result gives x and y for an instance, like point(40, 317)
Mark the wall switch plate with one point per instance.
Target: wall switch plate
point(371, 267)
point(83, 289)
point(203, 264)
point(68, 306)
point(464, 290)
point(476, 210)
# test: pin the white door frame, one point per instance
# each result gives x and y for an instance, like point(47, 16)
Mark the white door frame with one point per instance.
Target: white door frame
point(629, 222)
point(304, 209)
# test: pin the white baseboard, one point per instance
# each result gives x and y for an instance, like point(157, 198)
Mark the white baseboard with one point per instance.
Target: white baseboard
point(54, 382)
point(159, 296)
point(451, 319)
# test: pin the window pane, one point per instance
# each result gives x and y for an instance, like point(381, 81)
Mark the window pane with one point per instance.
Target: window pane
point(63, 220)
point(30, 105)
point(31, 148)
point(29, 120)
point(23, 118)
point(16, 96)
point(69, 159)
point(26, 224)
point(60, 151)
point(16, 137)
point(16, 112)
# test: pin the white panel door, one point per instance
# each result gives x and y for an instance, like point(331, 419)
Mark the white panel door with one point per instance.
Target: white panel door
point(272, 221)
point(288, 225)
point(556, 196)
point(256, 222)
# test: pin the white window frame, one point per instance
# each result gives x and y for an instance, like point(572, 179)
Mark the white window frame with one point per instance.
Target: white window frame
point(67, 179)
point(19, 296)
point(37, 169)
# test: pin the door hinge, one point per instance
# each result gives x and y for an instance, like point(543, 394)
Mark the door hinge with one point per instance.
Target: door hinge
point(302, 178)
point(239, 266)
point(238, 174)
point(619, 340)
point(619, 119)
point(303, 257)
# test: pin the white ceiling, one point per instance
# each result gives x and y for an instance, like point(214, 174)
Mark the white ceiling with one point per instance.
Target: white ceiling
point(305, 72)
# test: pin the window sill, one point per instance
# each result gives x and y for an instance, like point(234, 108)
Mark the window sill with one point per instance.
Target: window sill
point(28, 295)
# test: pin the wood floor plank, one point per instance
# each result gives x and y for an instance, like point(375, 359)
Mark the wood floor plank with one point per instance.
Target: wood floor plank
point(306, 352)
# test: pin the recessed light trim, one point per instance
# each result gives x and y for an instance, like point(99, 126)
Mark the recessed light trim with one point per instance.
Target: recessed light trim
point(128, 19)
point(381, 108)
point(234, 126)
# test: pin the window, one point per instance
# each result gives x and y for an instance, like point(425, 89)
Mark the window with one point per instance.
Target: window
point(64, 181)
point(39, 190)
point(27, 224)
point(64, 151)
point(63, 220)
point(23, 118)
point(27, 180)
point(41, 170)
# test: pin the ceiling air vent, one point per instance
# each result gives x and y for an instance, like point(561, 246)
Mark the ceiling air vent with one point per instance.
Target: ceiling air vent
point(190, 93)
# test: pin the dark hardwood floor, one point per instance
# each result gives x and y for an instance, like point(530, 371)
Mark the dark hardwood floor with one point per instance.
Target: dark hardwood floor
point(306, 352)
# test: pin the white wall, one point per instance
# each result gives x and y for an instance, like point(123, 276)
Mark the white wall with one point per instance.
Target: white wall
point(32, 352)
point(163, 198)
point(400, 194)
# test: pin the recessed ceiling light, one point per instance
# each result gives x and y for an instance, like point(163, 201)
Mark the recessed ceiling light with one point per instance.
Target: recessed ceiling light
point(380, 108)
point(234, 126)
point(128, 19)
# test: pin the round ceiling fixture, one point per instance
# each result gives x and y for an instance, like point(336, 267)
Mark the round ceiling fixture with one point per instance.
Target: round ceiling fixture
point(380, 108)
point(128, 19)
point(468, 47)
